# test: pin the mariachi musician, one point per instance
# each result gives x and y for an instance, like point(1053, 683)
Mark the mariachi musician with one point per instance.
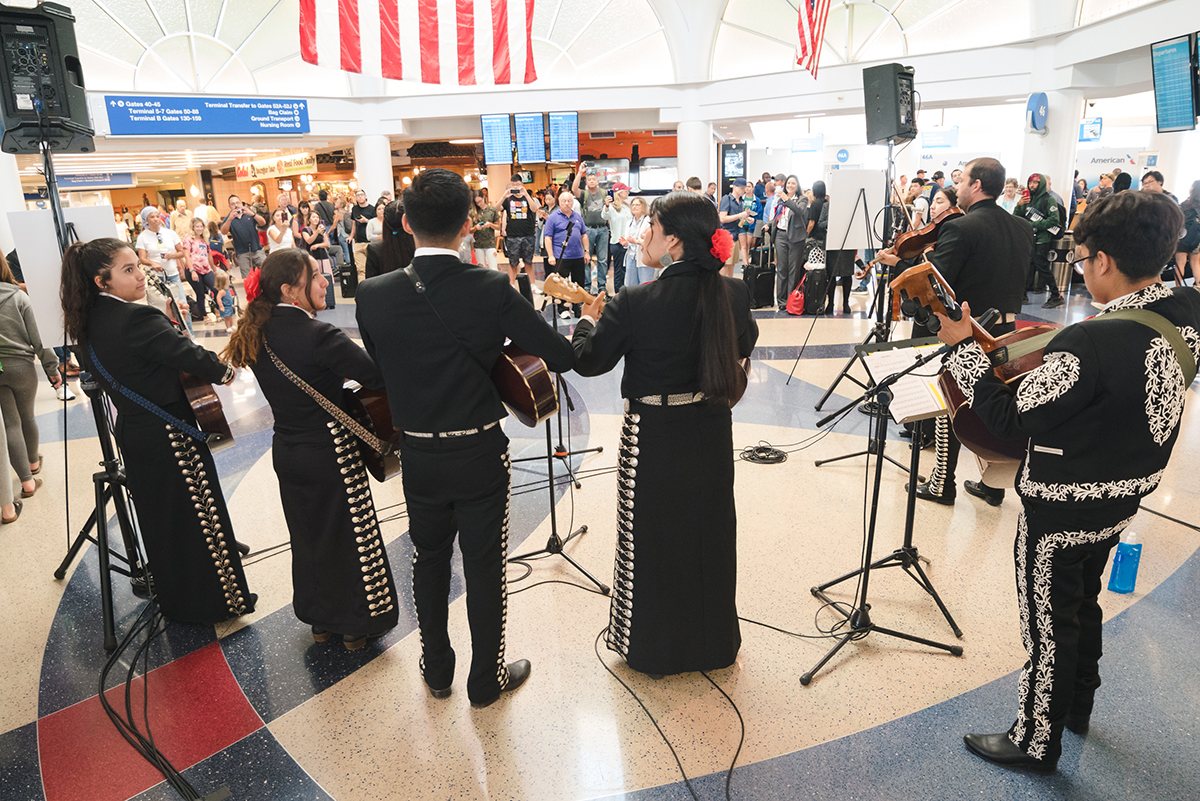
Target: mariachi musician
point(1101, 415)
point(984, 256)
point(341, 578)
point(137, 354)
point(436, 329)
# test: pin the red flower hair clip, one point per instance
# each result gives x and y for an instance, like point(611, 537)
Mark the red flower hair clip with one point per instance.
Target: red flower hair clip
point(722, 245)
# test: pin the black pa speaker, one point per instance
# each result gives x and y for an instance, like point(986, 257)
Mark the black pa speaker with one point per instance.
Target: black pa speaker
point(891, 114)
point(42, 82)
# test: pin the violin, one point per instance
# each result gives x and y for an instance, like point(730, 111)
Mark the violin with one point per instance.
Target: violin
point(911, 245)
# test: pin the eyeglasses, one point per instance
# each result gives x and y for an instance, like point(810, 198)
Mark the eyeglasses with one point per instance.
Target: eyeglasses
point(1078, 261)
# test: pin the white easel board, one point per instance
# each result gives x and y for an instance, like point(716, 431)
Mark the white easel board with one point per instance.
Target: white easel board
point(41, 263)
point(849, 214)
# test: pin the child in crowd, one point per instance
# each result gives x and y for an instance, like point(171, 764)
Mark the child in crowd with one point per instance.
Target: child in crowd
point(225, 299)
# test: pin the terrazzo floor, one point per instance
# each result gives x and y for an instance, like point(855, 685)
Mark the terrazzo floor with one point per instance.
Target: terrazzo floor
point(257, 706)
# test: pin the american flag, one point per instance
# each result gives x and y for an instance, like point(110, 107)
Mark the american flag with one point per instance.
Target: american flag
point(813, 14)
point(464, 42)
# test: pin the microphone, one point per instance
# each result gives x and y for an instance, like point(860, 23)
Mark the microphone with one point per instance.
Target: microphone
point(570, 227)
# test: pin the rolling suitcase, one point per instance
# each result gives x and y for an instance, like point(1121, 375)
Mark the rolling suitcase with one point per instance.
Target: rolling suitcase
point(814, 286)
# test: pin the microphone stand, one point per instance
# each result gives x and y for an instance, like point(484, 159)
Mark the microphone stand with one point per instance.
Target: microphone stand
point(857, 617)
point(555, 543)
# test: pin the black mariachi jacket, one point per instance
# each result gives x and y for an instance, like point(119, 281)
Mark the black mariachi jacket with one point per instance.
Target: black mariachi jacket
point(1102, 412)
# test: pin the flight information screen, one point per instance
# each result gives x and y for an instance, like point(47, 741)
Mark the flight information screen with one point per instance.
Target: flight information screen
point(1174, 84)
point(531, 137)
point(497, 139)
point(564, 136)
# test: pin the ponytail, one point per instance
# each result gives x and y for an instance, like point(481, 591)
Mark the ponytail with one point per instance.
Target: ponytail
point(82, 264)
point(288, 266)
point(694, 220)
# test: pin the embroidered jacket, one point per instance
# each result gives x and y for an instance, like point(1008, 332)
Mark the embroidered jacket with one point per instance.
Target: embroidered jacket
point(1102, 413)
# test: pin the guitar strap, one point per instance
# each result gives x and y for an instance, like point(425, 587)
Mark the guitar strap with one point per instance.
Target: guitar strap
point(1164, 327)
point(149, 405)
point(336, 412)
point(419, 285)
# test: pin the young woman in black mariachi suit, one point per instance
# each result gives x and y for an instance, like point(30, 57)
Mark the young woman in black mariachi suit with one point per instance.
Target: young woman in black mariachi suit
point(342, 582)
point(193, 558)
point(673, 608)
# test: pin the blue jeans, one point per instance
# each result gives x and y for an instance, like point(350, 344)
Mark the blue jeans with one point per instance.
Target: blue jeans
point(598, 245)
point(617, 252)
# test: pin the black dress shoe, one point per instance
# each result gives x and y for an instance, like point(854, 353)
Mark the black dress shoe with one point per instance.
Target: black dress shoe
point(999, 749)
point(517, 673)
point(1079, 723)
point(1054, 303)
point(321, 635)
point(994, 497)
point(925, 494)
point(355, 641)
point(435, 692)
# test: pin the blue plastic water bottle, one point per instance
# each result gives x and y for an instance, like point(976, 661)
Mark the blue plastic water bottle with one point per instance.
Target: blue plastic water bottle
point(1125, 567)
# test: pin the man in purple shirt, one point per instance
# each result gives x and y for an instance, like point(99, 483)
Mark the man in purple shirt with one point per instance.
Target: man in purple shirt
point(566, 225)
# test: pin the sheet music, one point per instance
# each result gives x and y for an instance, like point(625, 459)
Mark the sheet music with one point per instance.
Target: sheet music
point(915, 396)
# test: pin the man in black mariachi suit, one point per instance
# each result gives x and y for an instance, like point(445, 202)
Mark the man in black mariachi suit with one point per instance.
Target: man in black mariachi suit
point(436, 335)
point(1102, 415)
point(984, 256)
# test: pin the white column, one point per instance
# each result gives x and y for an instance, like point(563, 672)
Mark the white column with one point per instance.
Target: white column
point(1054, 153)
point(12, 198)
point(497, 180)
point(1170, 147)
point(695, 151)
point(373, 164)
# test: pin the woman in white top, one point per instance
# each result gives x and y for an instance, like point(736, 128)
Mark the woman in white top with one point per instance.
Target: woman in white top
point(1008, 201)
point(375, 226)
point(279, 235)
point(122, 227)
point(635, 272)
point(618, 216)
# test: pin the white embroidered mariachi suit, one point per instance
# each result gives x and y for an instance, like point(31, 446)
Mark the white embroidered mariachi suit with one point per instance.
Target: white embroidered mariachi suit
point(1102, 414)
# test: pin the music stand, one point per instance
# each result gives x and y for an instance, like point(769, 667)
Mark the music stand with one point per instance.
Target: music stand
point(858, 615)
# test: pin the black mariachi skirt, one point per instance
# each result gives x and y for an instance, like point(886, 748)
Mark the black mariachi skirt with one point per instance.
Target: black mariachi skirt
point(675, 579)
point(190, 550)
point(341, 579)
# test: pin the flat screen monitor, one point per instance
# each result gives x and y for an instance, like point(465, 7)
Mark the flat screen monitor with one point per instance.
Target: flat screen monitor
point(1174, 71)
point(497, 139)
point(531, 137)
point(564, 136)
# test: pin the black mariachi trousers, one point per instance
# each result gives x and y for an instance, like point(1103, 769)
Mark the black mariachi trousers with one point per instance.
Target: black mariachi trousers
point(460, 485)
point(1060, 555)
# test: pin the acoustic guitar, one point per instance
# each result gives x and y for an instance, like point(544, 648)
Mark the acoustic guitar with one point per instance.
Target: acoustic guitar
point(567, 290)
point(210, 414)
point(996, 454)
point(370, 409)
point(525, 385)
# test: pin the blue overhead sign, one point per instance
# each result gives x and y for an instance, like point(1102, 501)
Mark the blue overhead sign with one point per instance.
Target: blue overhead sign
point(96, 180)
point(132, 115)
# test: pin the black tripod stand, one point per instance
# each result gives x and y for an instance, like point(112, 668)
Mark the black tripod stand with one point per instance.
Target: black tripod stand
point(858, 616)
point(110, 484)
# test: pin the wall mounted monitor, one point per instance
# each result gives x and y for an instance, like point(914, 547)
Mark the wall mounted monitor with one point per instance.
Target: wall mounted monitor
point(531, 137)
point(1174, 69)
point(497, 139)
point(564, 136)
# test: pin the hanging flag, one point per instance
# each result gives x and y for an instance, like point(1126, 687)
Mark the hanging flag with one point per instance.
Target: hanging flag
point(464, 42)
point(813, 14)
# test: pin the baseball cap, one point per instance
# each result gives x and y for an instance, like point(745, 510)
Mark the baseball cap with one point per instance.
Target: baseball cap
point(739, 182)
point(620, 187)
point(920, 172)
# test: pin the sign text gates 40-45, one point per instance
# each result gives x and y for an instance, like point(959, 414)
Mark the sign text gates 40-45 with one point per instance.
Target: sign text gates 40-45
point(133, 115)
